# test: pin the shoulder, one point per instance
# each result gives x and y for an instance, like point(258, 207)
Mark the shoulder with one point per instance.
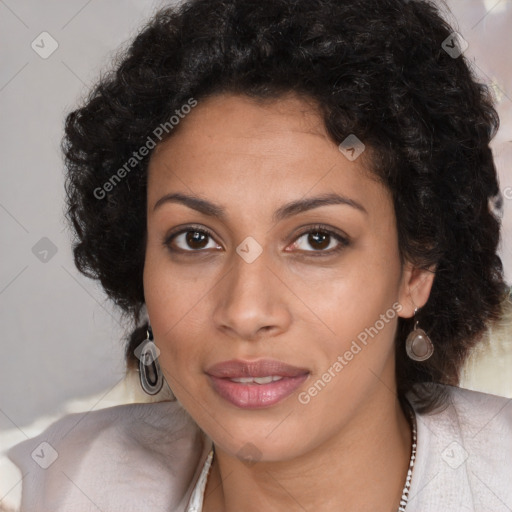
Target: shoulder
point(128, 457)
point(464, 454)
point(474, 415)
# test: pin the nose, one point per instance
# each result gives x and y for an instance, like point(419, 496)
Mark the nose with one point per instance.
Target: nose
point(251, 301)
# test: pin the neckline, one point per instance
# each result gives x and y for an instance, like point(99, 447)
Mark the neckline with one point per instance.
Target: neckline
point(197, 497)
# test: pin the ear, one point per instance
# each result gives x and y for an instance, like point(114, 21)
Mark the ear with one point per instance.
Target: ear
point(415, 287)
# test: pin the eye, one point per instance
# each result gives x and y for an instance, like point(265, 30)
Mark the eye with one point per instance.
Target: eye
point(321, 238)
point(190, 239)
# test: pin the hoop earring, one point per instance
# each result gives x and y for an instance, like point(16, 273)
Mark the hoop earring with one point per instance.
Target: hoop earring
point(418, 345)
point(151, 378)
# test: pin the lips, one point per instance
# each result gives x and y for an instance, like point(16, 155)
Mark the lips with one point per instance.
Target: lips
point(236, 368)
point(255, 384)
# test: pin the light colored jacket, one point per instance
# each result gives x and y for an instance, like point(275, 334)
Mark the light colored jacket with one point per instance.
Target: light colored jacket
point(149, 458)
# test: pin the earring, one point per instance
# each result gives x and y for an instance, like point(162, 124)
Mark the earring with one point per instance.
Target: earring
point(418, 345)
point(151, 378)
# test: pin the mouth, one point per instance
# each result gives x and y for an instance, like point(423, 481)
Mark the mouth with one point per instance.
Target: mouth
point(255, 384)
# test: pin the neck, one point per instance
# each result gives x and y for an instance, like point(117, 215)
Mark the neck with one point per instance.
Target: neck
point(364, 467)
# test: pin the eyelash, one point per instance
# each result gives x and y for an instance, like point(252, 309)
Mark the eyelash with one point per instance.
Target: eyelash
point(317, 228)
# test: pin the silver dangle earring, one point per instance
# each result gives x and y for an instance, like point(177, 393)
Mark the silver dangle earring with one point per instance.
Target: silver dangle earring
point(418, 345)
point(151, 378)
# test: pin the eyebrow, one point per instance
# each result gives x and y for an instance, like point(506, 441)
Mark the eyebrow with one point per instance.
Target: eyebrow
point(287, 210)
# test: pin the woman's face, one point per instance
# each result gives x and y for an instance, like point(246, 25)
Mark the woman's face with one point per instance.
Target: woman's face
point(247, 263)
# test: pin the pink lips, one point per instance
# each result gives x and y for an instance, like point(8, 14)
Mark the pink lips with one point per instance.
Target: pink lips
point(254, 395)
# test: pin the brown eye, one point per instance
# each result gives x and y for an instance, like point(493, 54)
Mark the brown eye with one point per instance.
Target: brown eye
point(190, 240)
point(320, 240)
point(196, 239)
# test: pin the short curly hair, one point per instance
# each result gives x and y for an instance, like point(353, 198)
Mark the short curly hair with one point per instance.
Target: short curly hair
point(378, 69)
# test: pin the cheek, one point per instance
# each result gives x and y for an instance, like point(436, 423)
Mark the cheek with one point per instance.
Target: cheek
point(352, 296)
point(167, 297)
point(358, 306)
point(175, 304)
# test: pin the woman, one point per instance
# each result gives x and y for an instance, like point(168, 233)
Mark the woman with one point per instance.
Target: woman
point(295, 201)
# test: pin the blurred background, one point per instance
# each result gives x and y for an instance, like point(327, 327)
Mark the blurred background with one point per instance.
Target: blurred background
point(62, 340)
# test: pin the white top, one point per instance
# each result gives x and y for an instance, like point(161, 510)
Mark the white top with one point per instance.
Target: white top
point(153, 457)
point(196, 500)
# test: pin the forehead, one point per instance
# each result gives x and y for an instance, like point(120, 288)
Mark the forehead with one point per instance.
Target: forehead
point(277, 148)
point(259, 127)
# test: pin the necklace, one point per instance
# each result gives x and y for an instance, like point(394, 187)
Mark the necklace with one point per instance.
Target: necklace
point(407, 487)
point(405, 492)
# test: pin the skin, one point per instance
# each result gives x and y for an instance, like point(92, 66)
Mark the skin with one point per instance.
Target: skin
point(348, 447)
